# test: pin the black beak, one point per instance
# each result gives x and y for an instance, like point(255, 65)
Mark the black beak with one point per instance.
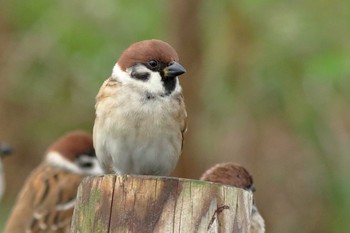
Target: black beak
point(173, 70)
point(5, 150)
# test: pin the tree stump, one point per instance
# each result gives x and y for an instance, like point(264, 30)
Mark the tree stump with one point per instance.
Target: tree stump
point(142, 204)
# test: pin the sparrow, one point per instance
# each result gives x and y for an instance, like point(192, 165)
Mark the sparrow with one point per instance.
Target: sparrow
point(5, 150)
point(46, 201)
point(140, 112)
point(236, 175)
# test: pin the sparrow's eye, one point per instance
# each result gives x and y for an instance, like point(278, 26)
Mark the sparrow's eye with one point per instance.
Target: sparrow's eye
point(86, 165)
point(85, 161)
point(153, 63)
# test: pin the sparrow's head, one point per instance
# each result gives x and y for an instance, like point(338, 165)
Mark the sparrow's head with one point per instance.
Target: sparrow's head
point(151, 66)
point(5, 150)
point(75, 153)
point(229, 174)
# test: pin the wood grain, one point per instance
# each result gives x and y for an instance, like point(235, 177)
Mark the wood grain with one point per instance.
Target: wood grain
point(142, 204)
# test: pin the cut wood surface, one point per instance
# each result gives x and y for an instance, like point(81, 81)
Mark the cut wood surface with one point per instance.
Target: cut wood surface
point(143, 204)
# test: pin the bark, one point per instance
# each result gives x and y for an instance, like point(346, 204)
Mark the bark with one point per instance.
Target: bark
point(159, 204)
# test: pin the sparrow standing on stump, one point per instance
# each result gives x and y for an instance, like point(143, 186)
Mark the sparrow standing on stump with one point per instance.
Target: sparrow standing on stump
point(236, 175)
point(46, 201)
point(4, 151)
point(140, 112)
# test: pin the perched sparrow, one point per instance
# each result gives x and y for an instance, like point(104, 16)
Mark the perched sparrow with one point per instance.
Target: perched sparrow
point(46, 202)
point(140, 112)
point(4, 151)
point(236, 175)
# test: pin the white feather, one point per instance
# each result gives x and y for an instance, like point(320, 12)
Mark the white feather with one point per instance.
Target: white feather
point(57, 160)
point(66, 206)
point(153, 85)
point(134, 135)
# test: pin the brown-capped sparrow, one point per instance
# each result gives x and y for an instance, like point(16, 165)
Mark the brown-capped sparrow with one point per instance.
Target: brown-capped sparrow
point(46, 201)
point(236, 175)
point(140, 112)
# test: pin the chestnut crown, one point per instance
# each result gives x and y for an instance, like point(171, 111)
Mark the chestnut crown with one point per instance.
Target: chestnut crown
point(229, 174)
point(74, 144)
point(146, 51)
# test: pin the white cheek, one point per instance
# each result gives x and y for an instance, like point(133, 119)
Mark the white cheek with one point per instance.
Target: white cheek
point(178, 88)
point(153, 85)
point(57, 160)
point(120, 76)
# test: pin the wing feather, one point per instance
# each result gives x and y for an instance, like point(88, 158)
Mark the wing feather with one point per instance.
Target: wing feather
point(49, 195)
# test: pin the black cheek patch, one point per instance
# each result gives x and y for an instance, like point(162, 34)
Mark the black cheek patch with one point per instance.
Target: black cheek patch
point(144, 76)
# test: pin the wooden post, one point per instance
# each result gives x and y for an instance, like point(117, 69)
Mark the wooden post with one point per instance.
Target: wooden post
point(142, 204)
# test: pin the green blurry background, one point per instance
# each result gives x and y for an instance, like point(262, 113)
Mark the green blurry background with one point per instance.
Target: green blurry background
point(267, 87)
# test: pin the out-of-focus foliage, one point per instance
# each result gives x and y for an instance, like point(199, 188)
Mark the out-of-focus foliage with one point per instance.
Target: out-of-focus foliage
point(278, 85)
point(54, 57)
point(62, 50)
point(273, 90)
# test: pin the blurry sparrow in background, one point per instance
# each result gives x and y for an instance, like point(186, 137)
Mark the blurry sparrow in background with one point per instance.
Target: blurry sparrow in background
point(46, 201)
point(236, 175)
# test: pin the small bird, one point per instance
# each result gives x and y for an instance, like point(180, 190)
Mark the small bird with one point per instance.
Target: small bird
point(236, 175)
point(140, 112)
point(5, 150)
point(46, 201)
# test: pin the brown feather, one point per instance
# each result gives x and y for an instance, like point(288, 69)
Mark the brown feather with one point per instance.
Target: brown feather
point(36, 209)
point(73, 144)
point(144, 51)
point(236, 175)
point(229, 174)
point(46, 201)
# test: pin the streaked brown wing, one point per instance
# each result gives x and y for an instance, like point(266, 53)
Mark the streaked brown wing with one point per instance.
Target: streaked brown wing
point(107, 89)
point(182, 118)
point(46, 202)
point(54, 205)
